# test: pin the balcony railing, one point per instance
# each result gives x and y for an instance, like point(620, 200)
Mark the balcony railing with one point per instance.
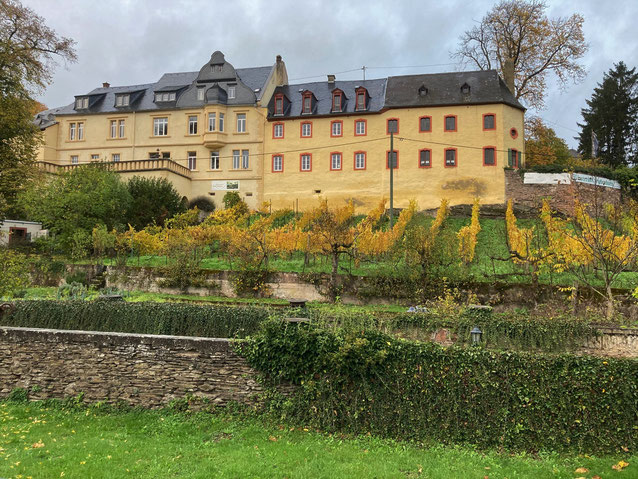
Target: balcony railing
point(130, 166)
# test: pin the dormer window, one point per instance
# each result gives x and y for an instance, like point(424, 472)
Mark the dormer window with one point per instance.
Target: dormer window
point(231, 92)
point(165, 96)
point(279, 104)
point(122, 100)
point(423, 90)
point(337, 101)
point(307, 103)
point(362, 96)
point(200, 94)
point(81, 103)
point(465, 89)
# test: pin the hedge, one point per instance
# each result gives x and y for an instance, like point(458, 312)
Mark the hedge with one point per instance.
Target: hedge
point(142, 318)
point(367, 382)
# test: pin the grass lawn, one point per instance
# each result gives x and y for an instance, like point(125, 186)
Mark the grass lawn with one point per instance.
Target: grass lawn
point(41, 442)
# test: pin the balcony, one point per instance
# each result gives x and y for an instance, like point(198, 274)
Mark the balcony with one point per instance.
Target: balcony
point(214, 139)
point(131, 166)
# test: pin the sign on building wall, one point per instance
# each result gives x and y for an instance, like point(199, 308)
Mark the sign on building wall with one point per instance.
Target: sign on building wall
point(232, 185)
point(547, 179)
point(596, 181)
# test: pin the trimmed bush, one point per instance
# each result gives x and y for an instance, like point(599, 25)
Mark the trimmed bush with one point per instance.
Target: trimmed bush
point(141, 318)
point(366, 382)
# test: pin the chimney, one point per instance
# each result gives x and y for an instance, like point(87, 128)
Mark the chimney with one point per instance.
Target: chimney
point(278, 58)
point(106, 84)
point(331, 78)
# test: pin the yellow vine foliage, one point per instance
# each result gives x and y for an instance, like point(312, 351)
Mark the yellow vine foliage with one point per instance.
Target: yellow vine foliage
point(441, 215)
point(565, 249)
point(375, 242)
point(519, 239)
point(468, 235)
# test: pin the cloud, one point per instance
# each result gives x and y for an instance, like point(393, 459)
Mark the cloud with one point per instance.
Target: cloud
point(130, 42)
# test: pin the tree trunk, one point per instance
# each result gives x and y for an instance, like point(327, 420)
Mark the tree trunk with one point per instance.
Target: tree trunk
point(610, 303)
point(333, 276)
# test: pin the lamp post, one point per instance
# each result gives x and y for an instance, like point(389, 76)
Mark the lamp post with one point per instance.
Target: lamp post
point(476, 334)
point(392, 129)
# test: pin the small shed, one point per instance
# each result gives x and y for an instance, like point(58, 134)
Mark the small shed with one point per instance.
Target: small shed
point(14, 232)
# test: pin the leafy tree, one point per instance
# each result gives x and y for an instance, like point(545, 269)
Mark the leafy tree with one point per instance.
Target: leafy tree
point(28, 49)
point(232, 199)
point(14, 272)
point(525, 46)
point(612, 114)
point(153, 200)
point(542, 146)
point(80, 199)
point(202, 203)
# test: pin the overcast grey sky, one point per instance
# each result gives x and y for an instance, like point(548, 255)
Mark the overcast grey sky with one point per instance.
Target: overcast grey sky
point(127, 42)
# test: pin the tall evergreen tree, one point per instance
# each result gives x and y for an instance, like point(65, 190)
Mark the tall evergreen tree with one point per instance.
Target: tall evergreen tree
point(612, 116)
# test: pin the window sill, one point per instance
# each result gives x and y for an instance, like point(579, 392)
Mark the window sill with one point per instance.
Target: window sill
point(160, 136)
point(117, 138)
point(241, 133)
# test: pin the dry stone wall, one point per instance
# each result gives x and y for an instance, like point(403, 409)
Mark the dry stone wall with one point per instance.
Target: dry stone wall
point(143, 370)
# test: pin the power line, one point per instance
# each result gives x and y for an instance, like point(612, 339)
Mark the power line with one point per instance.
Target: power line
point(364, 68)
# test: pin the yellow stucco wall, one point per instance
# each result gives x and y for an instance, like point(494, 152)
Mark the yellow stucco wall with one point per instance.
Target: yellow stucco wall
point(292, 187)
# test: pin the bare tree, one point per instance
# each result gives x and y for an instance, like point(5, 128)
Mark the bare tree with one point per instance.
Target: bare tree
point(517, 39)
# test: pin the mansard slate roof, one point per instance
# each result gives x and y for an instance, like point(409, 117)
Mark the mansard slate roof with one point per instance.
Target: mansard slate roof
point(323, 94)
point(446, 89)
point(249, 84)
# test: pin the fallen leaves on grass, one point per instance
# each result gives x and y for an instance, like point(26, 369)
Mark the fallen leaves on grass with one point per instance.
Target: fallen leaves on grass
point(37, 445)
point(620, 466)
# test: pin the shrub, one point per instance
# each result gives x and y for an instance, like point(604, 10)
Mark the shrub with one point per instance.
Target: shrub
point(141, 318)
point(232, 199)
point(14, 272)
point(202, 204)
point(362, 382)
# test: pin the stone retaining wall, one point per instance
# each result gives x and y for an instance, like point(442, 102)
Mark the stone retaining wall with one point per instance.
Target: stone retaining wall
point(139, 369)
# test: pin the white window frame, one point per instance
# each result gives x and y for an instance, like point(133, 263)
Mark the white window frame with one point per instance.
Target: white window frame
point(241, 122)
point(121, 125)
point(95, 157)
point(303, 127)
point(221, 122)
point(192, 124)
point(214, 160)
point(212, 119)
point(75, 160)
point(236, 159)
point(278, 130)
point(80, 130)
point(72, 131)
point(231, 92)
point(360, 165)
point(200, 94)
point(360, 131)
point(335, 161)
point(337, 125)
point(192, 160)
point(245, 159)
point(306, 162)
point(113, 128)
point(160, 126)
point(277, 163)
point(115, 157)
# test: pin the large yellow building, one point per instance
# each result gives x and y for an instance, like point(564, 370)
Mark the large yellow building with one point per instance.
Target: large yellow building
point(247, 130)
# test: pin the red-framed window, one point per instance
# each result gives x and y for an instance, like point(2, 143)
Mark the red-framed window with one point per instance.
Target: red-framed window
point(336, 161)
point(514, 133)
point(450, 158)
point(489, 156)
point(337, 101)
point(392, 122)
point(425, 158)
point(360, 127)
point(307, 103)
point(360, 160)
point(387, 160)
point(277, 163)
point(489, 121)
point(305, 129)
point(277, 131)
point(450, 123)
point(336, 128)
point(361, 103)
point(305, 162)
point(279, 104)
point(425, 124)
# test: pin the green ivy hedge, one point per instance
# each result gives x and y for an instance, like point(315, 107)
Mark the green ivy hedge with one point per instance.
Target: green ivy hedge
point(142, 318)
point(367, 382)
